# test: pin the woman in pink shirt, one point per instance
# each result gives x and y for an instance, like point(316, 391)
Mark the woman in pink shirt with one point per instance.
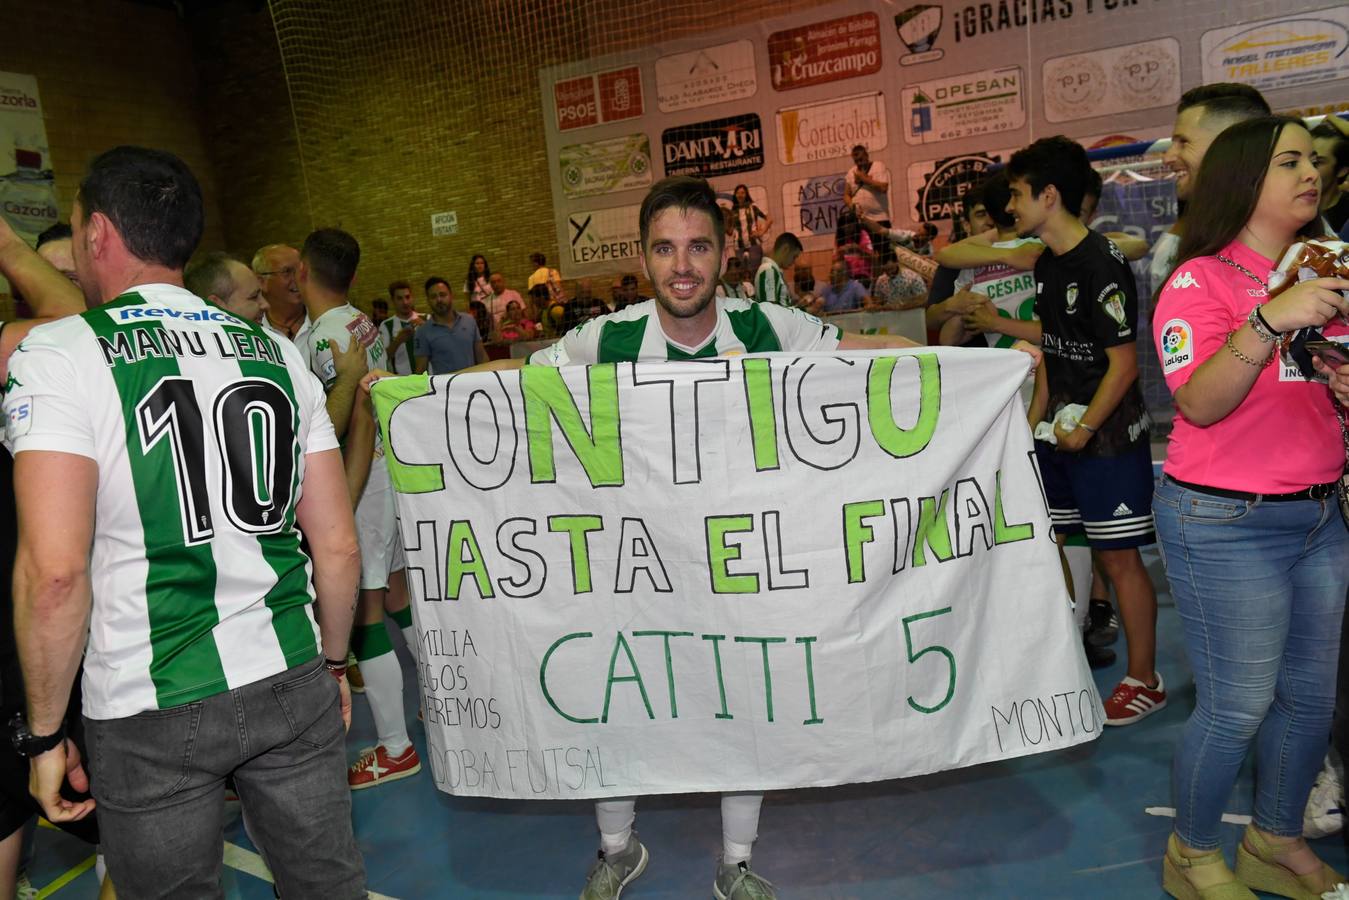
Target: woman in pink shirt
point(1256, 553)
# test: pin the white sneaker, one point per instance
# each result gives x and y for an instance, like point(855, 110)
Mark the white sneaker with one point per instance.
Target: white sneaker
point(1325, 807)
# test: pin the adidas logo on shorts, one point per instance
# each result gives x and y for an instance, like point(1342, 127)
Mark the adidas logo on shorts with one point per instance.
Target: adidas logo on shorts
point(1122, 510)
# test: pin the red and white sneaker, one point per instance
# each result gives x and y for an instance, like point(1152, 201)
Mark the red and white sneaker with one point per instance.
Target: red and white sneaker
point(376, 767)
point(1134, 700)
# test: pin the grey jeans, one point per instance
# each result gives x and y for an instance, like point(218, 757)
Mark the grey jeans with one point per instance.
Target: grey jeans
point(159, 780)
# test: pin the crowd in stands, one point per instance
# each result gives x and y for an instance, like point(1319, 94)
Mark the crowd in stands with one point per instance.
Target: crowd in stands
point(1256, 551)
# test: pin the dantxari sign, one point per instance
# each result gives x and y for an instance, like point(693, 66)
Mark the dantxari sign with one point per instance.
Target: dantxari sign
point(731, 574)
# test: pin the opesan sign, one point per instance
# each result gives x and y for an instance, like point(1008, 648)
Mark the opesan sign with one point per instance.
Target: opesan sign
point(444, 224)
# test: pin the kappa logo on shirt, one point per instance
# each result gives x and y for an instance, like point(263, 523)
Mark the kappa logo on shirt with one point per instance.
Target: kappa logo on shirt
point(1183, 280)
point(1177, 345)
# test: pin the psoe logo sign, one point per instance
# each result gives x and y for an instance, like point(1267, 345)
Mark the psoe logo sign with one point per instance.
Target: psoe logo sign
point(1306, 49)
point(1177, 345)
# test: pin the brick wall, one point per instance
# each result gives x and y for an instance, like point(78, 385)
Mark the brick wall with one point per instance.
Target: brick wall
point(110, 72)
point(435, 106)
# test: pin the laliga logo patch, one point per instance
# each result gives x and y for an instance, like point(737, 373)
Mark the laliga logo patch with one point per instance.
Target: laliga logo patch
point(1177, 345)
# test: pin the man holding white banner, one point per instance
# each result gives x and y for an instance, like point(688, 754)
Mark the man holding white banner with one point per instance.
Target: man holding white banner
point(682, 253)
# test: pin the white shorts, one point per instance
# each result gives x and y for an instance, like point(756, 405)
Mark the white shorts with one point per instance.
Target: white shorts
point(377, 530)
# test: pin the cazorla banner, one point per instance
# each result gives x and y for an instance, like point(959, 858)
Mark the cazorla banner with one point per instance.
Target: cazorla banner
point(747, 573)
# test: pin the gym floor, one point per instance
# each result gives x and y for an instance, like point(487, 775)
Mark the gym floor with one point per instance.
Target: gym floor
point(1088, 822)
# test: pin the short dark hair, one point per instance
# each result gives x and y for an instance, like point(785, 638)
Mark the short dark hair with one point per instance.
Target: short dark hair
point(1056, 160)
point(151, 198)
point(435, 280)
point(1094, 185)
point(682, 192)
point(58, 232)
point(856, 147)
point(1339, 149)
point(398, 286)
point(380, 303)
point(1228, 102)
point(538, 259)
point(1230, 180)
point(332, 256)
point(995, 193)
point(210, 274)
point(628, 279)
point(788, 241)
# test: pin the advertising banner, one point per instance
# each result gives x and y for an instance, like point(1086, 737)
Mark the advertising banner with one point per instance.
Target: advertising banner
point(27, 189)
point(604, 235)
point(825, 51)
point(750, 573)
point(1288, 51)
point(602, 167)
point(706, 77)
point(1105, 82)
point(719, 147)
point(964, 106)
point(813, 205)
point(831, 128)
point(939, 186)
point(604, 97)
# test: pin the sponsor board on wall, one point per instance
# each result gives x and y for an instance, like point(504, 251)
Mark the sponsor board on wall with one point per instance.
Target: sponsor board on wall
point(962, 106)
point(939, 186)
point(831, 128)
point(609, 96)
point(602, 167)
point(1114, 80)
point(717, 147)
point(706, 77)
point(812, 206)
point(919, 28)
point(825, 51)
point(27, 190)
point(604, 235)
point(1293, 50)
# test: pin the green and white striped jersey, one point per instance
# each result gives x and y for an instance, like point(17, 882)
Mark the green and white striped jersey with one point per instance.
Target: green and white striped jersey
point(200, 423)
point(743, 326)
point(770, 286)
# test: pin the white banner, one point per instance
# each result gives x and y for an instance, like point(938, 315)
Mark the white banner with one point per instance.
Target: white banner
point(603, 167)
point(1278, 53)
point(604, 235)
point(969, 105)
point(749, 573)
point(831, 128)
point(706, 77)
point(1117, 80)
point(27, 189)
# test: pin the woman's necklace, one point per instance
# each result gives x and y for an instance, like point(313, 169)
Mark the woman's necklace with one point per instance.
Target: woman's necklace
point(1243, 270)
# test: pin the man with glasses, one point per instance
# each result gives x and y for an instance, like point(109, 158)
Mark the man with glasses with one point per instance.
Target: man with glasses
point(276, 265)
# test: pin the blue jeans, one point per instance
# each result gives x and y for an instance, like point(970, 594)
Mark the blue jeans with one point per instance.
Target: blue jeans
point(1260, 588)
point(159, 780)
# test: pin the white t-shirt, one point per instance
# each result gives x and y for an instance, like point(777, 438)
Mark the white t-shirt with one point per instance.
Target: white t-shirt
point(1011, 290)
point(200, 424)
point(301, 339)
point(869, 202)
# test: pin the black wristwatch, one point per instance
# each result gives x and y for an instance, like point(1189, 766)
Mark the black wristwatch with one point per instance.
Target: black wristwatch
point(28, 744)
